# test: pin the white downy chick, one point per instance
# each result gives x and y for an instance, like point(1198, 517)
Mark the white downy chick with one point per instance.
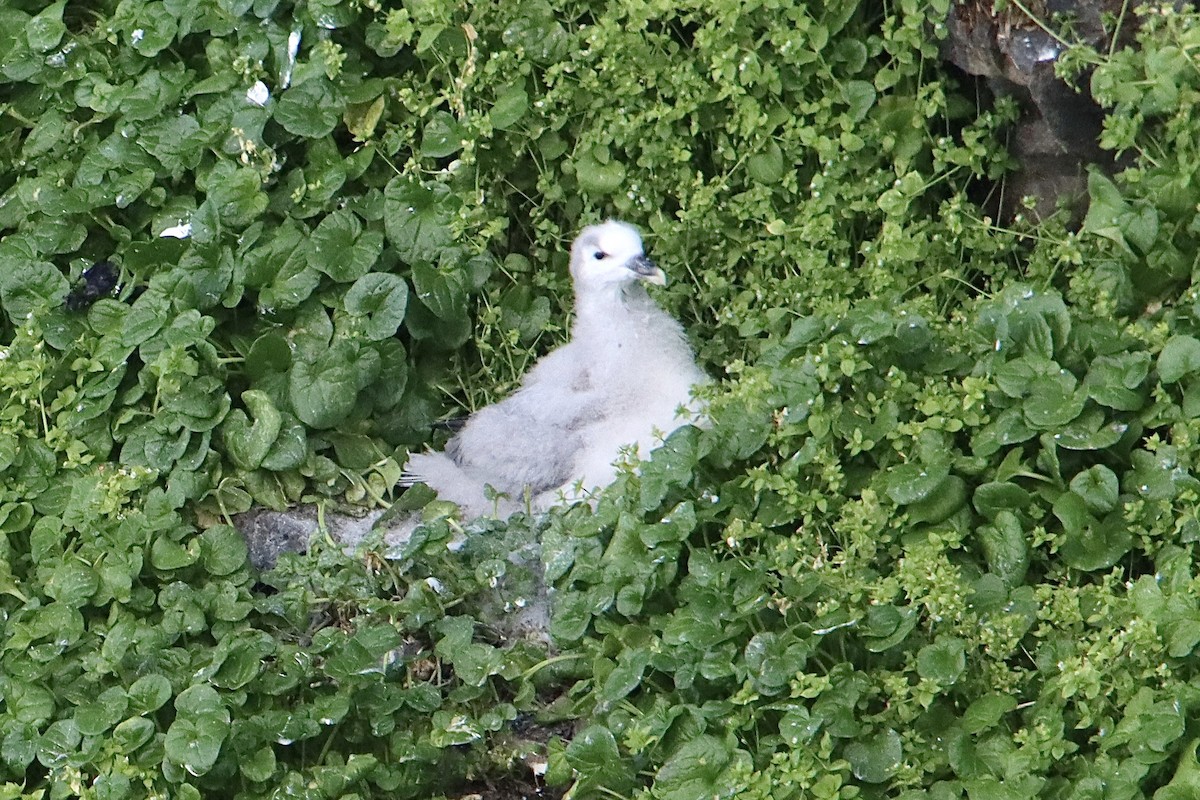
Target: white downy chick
point(622, 380)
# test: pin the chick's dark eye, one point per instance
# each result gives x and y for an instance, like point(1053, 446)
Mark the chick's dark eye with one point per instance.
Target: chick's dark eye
point(599, 255)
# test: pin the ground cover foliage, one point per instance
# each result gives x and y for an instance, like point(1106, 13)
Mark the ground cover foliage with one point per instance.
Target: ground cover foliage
point(937, 543)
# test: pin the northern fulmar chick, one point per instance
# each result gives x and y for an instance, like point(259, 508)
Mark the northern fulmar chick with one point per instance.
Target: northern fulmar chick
point(624, 379)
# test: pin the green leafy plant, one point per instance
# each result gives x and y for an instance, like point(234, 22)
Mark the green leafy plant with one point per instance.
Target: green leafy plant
point(937, 541)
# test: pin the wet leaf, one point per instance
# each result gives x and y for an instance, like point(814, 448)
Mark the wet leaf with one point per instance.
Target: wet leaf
point(341, 249)
point(1098, 487)
point(382, 299)
point(877, 758)
point(943, 661)
point(310, 109)
point(417, 219)
point(442, 136)
point(323, 390)
point(910, 483)
point(1180, 356)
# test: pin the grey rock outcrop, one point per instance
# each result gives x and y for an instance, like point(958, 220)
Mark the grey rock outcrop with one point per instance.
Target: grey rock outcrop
point(1015, 53)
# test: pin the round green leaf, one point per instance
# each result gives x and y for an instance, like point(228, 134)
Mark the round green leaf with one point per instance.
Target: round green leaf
point(330, 14)
point(258, 766)
point(798, 726)
point(1115, 381)
point(626, 676)
point(243, 664)
point(417, 218)
point(987, 711)
point(766, 166)
point(909, 483)
point(194, 739)
point(194, 744)
point(237, 195)
point(774, 660)
point(167, 554)
point(248, 444)
point(1006, 548)
point(991, 498)
point(538, 33)
point(8, 449)
point(1091, 431)
point(423, 698)
point(598, 173)
point(222, 550)
point(15, 517)
point(694, 771)
point(106, 711)
point(58, 743)
point(289, 449)
point(29, 285)
point(510, 106)
point(293, 284)
point(1155, 476)
point(341, 249)
point(451, 729)
point(860, 96)
point(1007, 427)
point(943, 661)
point(156, 29)
point(1180, 356)
point(323, 391)
point(30, 703)
point(382, 298)
point(1098, 546)
point(149, 693)
point(46, 30)
point(949, 496)
point(442, 136)
point(886, 626)
point(132, 734)
point(178, 143)
point(442, 291)
point(1053, 403)
point(387, 392)
point(1185, 784)
point(1072, 512)
point(876, 758)
point(1098, 486)
point(73, 582)
point(310, 110)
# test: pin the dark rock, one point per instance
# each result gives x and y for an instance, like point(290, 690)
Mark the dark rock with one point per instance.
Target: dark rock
point(1057, 136)
point(270, 534)
point(516, 609)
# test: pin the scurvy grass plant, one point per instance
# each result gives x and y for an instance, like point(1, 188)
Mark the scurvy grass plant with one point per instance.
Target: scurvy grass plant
point(937, 543)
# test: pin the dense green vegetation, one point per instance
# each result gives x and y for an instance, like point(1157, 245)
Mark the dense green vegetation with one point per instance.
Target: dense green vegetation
point(939, 541)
